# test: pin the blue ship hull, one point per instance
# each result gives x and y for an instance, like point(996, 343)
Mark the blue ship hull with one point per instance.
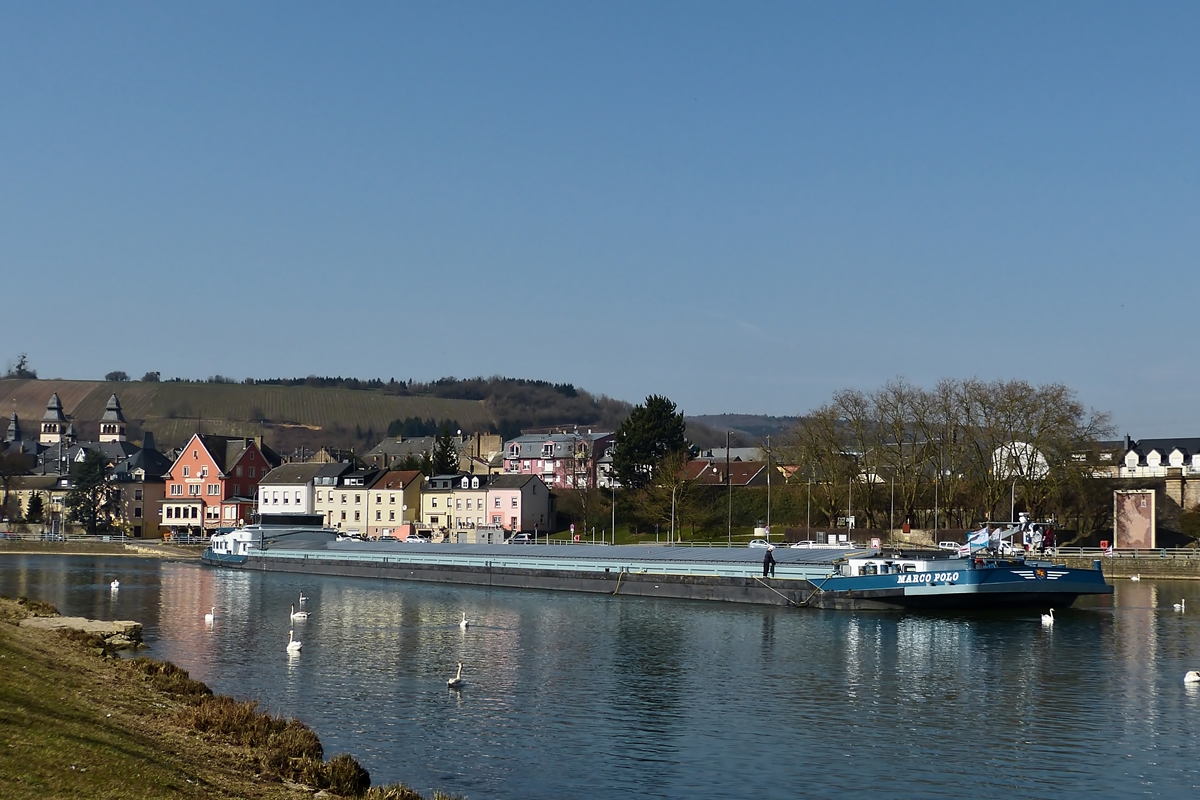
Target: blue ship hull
point(965, 584)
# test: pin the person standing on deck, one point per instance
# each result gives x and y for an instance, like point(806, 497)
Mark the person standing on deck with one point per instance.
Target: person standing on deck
point(769, 561)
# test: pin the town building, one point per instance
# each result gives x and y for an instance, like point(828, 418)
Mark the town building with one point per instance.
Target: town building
point(214, 482)
point(344, 504)
point(567, 459)
point(394, 504)
point(289, 489)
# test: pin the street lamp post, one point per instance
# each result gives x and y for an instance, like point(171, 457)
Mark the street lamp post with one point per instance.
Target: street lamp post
point(808, 516)
point(671, 535)
point(1012, 508)
point(729, 485)
point(768, 488)
point(892, 509)
point(612, 482)
point(936, 478)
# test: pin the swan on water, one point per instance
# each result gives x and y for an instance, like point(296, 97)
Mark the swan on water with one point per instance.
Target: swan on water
point(303, 599)
point(1135, 577)
point(466, 623)
point(1179, 606)
point(115, 585)
point(1192, 677)
point(1048, 619)
point(299, 614)
point(293, 644)
point(210, 616)
point(456, 682)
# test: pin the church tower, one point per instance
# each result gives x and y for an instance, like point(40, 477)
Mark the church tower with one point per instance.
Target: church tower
point(112, 424)
point(14, 429)
point(54, 422)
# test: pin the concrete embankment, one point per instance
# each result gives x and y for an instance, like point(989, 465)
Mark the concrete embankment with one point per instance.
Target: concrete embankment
point(84, 547)
point(1172, 565)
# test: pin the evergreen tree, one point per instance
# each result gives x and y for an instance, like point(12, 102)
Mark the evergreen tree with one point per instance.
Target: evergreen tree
point(36, 508)
point(445, 454)
point(92, 498)
point(649, 434)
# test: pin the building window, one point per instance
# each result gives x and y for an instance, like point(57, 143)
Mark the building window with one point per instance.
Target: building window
point(195, 454)
point(238, 472)
point(357, 516)
point(252, 472)
point(214, 489)
point(137, 494)
point(378, 515)
point(378, 498)
point(458, 502)
point(187, 472)
point(391, 498)
point(497, 502)
point(357, 498)
point(514, 502)
point(496, 519)
point(433, 520)
point(391, 516)
point(343, 516)
point(433, 502)
point(176, 489)
point(204, 472)
point(137, 512)
point(343, 498)
point(194, 490)
point(468, 504)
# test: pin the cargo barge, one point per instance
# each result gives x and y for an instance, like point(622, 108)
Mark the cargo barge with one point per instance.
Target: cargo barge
point(812, 577)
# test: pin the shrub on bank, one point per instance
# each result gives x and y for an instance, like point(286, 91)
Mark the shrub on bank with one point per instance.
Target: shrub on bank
point(167, 677)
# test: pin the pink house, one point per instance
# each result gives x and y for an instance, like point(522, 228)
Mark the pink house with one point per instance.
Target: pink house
point(561, 460)
point(519, 503)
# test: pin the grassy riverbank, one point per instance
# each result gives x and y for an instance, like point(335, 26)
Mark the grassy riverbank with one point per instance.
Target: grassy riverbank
point(76, 722)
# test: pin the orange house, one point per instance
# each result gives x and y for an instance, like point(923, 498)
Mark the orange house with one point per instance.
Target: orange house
point(214, 481)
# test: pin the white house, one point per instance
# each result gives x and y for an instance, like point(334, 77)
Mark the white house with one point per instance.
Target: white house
point(288, 489)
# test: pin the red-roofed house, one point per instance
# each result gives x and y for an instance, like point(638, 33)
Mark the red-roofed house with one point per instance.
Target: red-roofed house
point(741, 473)
point(214, 481)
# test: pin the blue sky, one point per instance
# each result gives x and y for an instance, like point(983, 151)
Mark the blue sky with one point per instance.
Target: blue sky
point(744, 207)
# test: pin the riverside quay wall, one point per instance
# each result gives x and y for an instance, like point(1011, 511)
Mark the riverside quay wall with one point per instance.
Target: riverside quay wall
point(1171, 563)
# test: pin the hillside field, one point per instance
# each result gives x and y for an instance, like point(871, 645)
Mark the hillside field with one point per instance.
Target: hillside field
point(287, 416)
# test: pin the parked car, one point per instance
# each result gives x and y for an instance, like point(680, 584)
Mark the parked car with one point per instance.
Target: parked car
point(521, 538)
point(417, 538)
point(389, 538)
point(949, 546)
point(807, 544)
point(758, 543)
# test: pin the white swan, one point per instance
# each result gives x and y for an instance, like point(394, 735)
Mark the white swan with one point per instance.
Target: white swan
point(456, 682)
point(1135, 577)
point(299, 614)
point(1048, 619)
point(115, 585)
point(210, 616)
point(466, 623)
point(1192, 677)
point(1180, 605)
point(294, 645)
point(303, 599)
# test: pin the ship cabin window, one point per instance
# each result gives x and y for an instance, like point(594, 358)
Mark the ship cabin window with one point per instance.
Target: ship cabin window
point(869, 569)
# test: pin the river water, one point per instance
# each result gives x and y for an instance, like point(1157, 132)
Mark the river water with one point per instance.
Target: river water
point(573, 696)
